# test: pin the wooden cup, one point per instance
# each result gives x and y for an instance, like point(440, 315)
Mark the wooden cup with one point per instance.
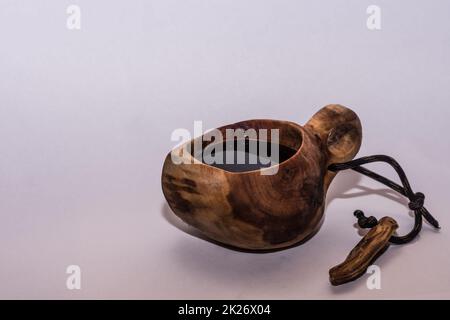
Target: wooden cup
point(259, 212)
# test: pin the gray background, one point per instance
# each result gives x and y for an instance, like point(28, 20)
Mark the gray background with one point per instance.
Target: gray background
point(86, 118)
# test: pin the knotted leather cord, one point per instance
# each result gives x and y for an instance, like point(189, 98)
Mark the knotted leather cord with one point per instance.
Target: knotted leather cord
point(416, 199)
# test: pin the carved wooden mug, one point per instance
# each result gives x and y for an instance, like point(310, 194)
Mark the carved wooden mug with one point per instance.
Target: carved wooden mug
point(259, 212)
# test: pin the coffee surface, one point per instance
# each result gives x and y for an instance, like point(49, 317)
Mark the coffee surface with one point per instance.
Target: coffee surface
point(242, 156)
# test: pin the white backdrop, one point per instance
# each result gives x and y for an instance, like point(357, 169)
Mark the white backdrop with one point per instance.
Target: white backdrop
point(86, 117)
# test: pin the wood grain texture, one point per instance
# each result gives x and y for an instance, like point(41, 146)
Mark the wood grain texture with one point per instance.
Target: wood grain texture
point(259, 212)
point(374, 243)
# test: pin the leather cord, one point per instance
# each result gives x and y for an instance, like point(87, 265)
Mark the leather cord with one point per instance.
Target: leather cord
point(416, 199)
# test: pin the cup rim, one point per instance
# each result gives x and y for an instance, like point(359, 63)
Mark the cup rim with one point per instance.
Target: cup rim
point(247, 125)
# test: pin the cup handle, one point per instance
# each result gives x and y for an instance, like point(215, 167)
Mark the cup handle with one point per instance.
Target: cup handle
point(339, 129)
